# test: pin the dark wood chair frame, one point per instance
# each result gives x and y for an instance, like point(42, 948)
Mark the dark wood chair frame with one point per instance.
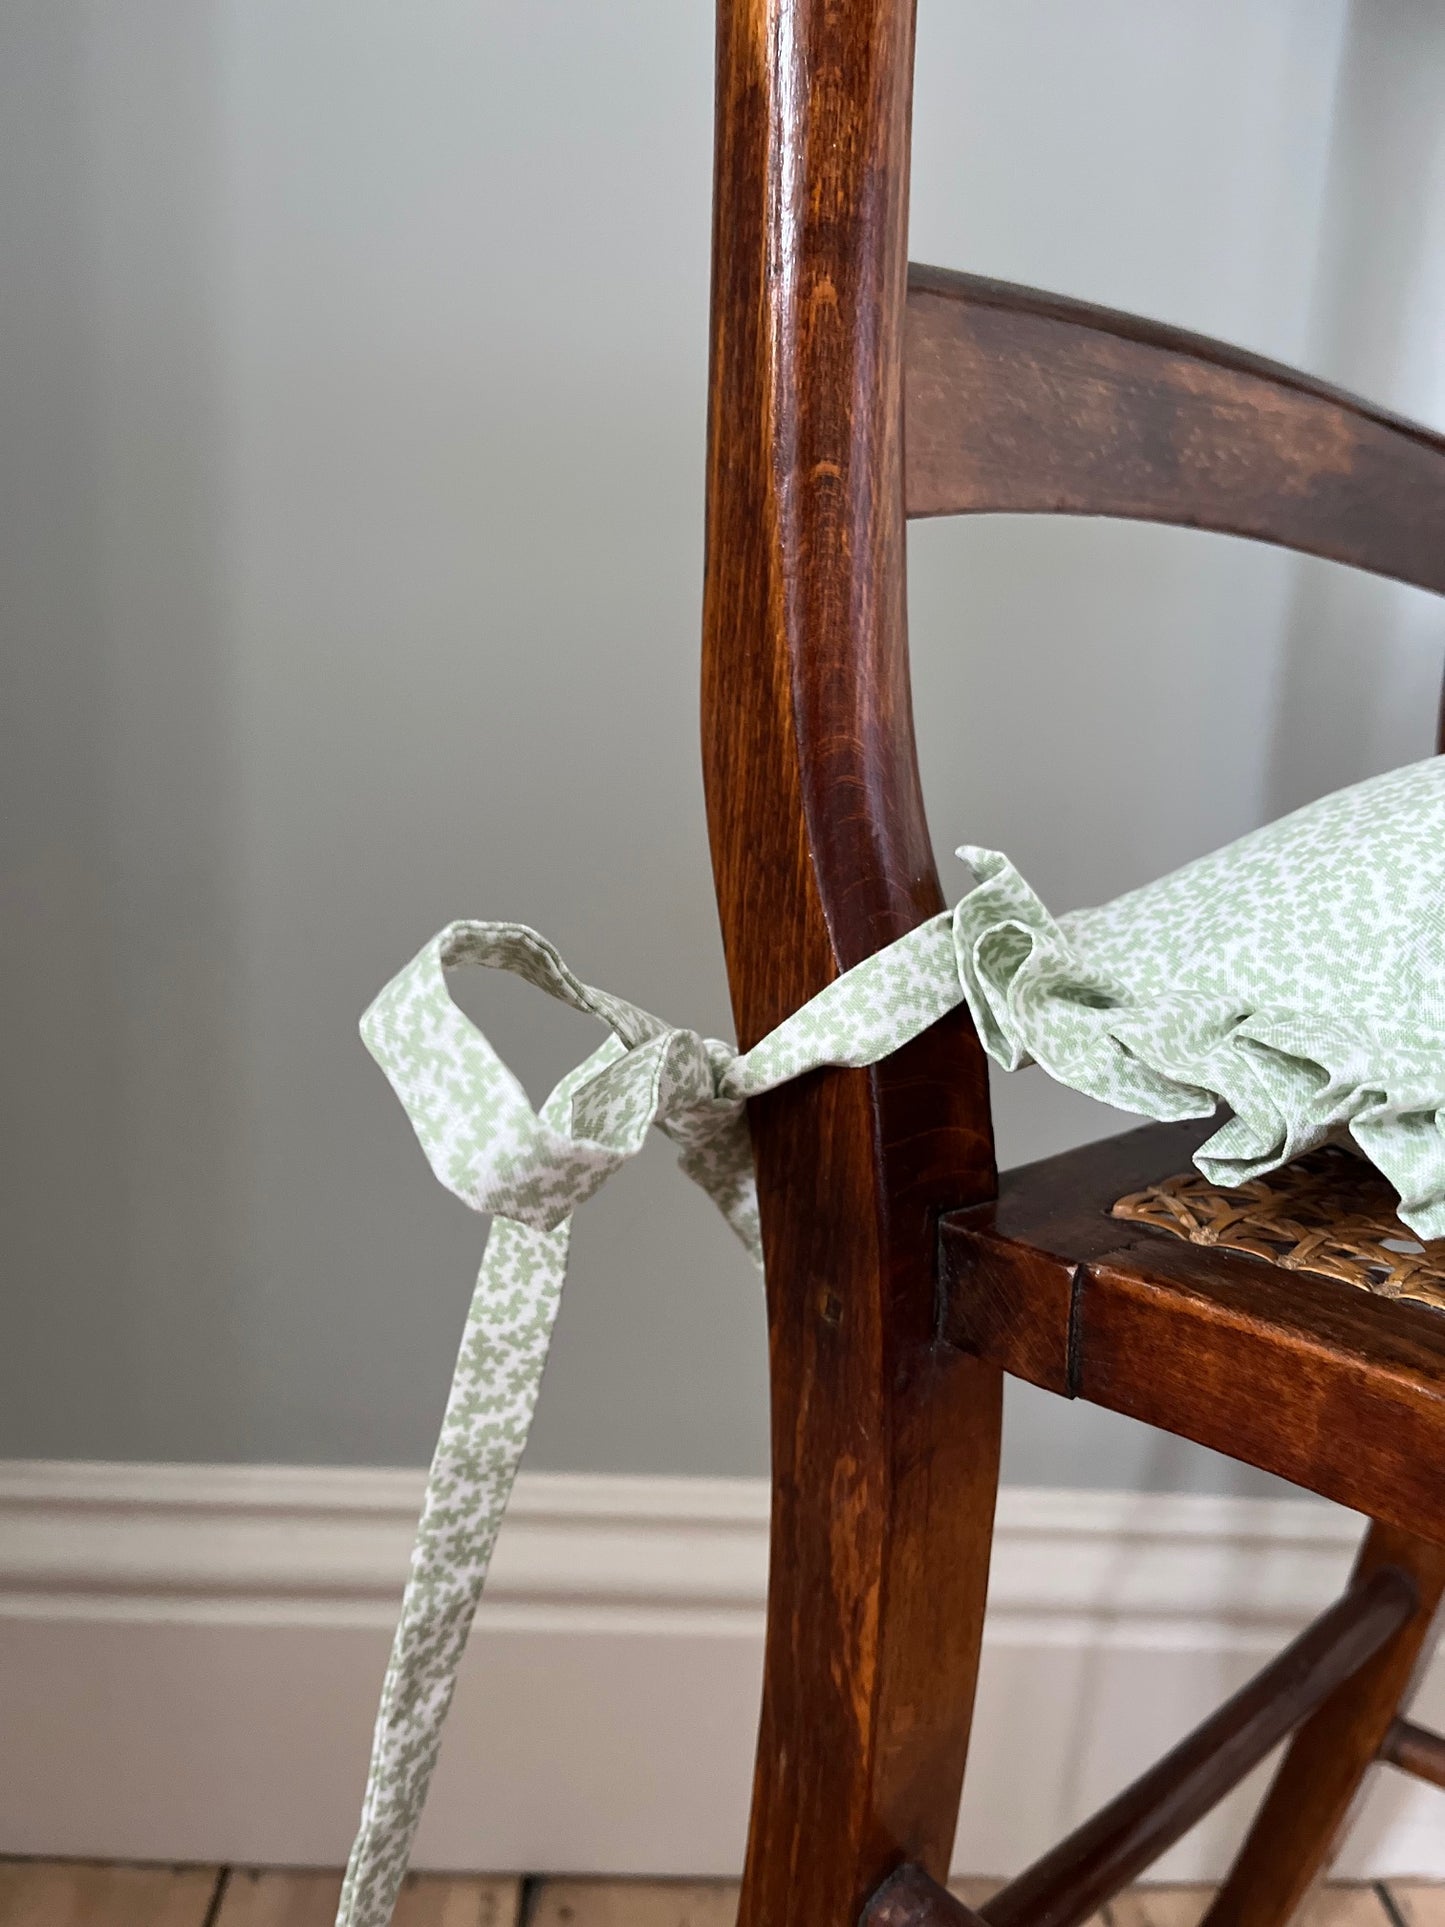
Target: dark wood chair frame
point(903, 1278)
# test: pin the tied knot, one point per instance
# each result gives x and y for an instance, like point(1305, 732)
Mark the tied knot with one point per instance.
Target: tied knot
point(477, 1126)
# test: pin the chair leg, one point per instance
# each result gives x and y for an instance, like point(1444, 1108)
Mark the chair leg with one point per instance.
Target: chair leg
point(879, 1567)
point(1312, 1796)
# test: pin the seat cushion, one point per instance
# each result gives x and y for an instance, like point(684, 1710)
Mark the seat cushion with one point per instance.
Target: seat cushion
point(1295, 977)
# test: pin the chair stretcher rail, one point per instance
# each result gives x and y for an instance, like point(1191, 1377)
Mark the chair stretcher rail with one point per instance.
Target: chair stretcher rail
point(1103, 1855)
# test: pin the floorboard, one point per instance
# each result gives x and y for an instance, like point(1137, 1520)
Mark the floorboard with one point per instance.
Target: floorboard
point(1417, 1904)
point(1344, 1907)
point(42, 1893)
point(60, 1893)
point(1185, 1906)
point(256, 1898)
point(1159, 1907)
point(437, 1900)
point(973, 1893)
point(627, 1903)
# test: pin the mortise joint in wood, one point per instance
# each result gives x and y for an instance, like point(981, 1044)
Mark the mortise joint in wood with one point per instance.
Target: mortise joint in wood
point(1074, 1352)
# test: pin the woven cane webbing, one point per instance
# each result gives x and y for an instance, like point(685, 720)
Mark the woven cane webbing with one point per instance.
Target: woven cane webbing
point(1329, 1213)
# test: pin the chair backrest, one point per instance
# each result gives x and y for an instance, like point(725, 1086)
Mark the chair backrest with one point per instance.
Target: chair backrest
point(1030, 402)
point(821, 337)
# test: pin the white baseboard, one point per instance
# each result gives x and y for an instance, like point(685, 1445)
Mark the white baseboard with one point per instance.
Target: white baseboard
point(190, 1656)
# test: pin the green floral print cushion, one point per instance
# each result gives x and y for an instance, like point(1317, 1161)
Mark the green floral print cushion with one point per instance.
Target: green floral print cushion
point(1297, 977)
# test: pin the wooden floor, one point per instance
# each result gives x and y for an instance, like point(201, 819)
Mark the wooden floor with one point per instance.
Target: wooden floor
point(50, 1893)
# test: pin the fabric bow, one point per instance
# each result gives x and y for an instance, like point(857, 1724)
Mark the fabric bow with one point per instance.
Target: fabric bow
point(532, 1170)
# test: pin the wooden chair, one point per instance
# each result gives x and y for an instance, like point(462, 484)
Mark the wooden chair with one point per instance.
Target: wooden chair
point(846, 392)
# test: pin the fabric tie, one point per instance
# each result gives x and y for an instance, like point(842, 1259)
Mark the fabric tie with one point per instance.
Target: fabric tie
point(1295, 976)
point(531, 1170)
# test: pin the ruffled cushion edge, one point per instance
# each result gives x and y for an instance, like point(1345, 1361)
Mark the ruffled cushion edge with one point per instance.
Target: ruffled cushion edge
point(1291, 1080)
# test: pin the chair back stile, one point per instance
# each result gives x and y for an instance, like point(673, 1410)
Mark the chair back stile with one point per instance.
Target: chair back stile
point(808, 740)
point(821, 855)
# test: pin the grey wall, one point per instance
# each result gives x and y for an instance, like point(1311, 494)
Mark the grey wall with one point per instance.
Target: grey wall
point(351, 368)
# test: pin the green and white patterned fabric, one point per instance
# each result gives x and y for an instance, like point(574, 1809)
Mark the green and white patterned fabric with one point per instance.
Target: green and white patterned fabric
point(1297, 977)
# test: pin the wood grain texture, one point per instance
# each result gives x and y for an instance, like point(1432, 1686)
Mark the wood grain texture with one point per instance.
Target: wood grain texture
point(59, 1893)
point(1318, 1784)
point(884, 1444)
point(266, 1898)
point(1321, 1383)
point(441, 1900)
point(254, 1897)
point(629, 1903)
point(1097, 1860)
point(1031, 402)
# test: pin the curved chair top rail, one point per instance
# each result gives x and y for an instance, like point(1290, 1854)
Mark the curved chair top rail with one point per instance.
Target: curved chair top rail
point(1032, 403)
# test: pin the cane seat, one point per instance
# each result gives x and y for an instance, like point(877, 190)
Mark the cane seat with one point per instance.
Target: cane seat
point(1328, 1213)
